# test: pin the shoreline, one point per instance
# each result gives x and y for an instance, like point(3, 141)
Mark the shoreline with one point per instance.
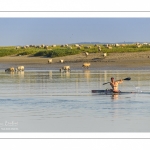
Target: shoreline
point(114, 61)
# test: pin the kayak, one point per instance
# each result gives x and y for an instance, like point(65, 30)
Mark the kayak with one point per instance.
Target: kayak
point(110, 92)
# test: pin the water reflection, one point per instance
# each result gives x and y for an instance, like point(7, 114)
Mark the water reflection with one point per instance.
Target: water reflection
point(115, 96)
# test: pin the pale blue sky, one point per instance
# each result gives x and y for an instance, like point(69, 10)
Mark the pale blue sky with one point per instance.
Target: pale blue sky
point(23, 31)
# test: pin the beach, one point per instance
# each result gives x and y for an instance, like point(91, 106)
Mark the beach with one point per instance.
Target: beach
point(114, 61)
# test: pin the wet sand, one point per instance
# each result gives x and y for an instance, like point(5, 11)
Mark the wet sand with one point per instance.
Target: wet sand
point(114, 61)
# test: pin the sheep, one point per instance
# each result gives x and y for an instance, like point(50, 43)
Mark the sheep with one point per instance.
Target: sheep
point(79, 47)
point(65, 68)
point(61, 60)
point(76, 45)
point(20, 68)
point(139, 46)
point(86, 54)
point(11, 69)
point(53, 45)
point(99, 48)
point(86, 65)
point(87, 47)
point(69, 47)
point(104, 54)
point(46, 47)
point(49, 61)
point(116, 45)
point(109, 47)
point(17, 47)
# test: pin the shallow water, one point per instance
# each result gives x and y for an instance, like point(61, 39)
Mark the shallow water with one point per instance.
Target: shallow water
point(50, 101)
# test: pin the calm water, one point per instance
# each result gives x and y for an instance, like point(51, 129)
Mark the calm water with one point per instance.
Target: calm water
point(50, 101)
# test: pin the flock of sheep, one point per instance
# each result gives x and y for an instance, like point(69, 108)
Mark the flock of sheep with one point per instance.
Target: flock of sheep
point(64, 68)
point(67, 68)
point(12, 69)
point(78, 46)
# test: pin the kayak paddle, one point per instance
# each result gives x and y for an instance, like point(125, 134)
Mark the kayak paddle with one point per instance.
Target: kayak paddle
point(122, 79)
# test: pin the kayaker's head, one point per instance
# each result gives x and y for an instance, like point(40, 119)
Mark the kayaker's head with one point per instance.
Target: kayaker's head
point(112, 79)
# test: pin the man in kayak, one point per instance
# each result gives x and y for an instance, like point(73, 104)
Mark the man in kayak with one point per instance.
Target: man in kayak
point(114, 85)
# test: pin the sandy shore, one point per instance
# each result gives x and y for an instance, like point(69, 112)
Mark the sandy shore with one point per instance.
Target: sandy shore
point(114, 61)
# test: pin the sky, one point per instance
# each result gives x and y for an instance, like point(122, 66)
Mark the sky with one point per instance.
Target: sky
point(48, 31)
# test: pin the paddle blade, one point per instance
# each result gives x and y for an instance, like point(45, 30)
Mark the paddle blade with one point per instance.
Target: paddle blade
point(106, 83)
point(127, 78)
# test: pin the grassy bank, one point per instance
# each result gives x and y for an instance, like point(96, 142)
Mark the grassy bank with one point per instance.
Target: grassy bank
point(69, 50)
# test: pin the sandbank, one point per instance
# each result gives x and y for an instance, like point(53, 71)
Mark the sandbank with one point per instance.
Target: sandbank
point(114, 61)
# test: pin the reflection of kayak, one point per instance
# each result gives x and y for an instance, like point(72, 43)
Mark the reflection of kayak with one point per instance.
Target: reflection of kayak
point(110, 92)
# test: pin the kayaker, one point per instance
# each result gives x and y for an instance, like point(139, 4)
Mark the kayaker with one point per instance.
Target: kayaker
point(114, 85)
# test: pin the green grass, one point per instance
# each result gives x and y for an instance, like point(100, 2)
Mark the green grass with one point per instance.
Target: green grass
point(64, 51)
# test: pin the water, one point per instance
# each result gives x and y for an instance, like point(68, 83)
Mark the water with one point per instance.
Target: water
point(50, 101)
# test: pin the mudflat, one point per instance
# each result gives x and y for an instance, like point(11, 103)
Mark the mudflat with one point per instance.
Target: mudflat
point(114, 61)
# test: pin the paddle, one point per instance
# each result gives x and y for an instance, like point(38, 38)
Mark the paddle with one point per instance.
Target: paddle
point(122, 79)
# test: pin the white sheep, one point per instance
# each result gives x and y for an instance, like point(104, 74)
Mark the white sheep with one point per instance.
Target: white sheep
point(86, 65)
point(17, 47)
point(61, 60)
point(20, 68)
point(109, 47)
point(49, 61)
point(87, 47)
point(99, 49)
point(66, 68)
point(46, 46)
point(86, 54)
point(104, 54)
point(53, 45)
point(76, 45)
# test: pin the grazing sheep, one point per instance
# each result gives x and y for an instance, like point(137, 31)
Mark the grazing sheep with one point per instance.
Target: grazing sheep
point(87, 47)
point(53, 45)
point(116, 45)
point(69, 47)
point(86, 54)
point(104, 54)
point(76, 45)
point(66, 68)
point(109, 47)
point(20, 68)
point(17, 47)
point(46, 46)
point(61, 60)
point(79, 47)
point(86, 65)
point(49, 61)
point(11, 69)
point(139, 46)
point(99, 49)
